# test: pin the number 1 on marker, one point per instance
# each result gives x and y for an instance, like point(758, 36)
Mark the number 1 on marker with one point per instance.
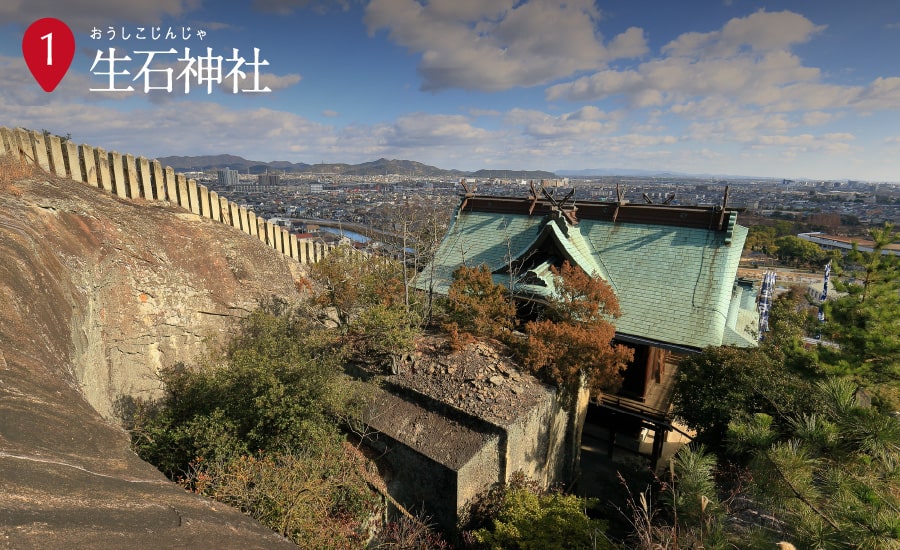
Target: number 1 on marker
point(48, 47)
point(49, 37)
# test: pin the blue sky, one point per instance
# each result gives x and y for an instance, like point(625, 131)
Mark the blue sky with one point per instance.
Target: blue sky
point(796, 89)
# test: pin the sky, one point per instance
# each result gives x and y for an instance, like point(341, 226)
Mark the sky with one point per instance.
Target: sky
point(800, 89)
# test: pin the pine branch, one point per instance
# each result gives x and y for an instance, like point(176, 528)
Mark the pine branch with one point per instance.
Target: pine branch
point(800, 496)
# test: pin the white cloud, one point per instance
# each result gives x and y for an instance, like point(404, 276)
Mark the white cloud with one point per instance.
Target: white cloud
point(329, 113)
point(483, 112)
point(278, 82)
point(287, 7)
point(882, 93)
point(743, 127)
point(760, 32)
point(631, 43)
point(587, 121)
point(83, 16)
point(19, 87)
point(805, 143)
point(712, 64)
point(423, 129)
point(215, 26)
point(740, 84)
point(816, 118)
point(499, 44)
point(597, 86)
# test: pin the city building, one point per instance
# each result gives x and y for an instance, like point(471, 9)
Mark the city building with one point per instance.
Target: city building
point(228, 177)
point(268, 179)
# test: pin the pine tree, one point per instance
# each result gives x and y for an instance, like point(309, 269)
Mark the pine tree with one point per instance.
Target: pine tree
point(865, 323)
point(830, 477)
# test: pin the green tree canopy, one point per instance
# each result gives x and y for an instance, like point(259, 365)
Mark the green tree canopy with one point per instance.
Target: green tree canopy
point(865, 322)
point(830, 475)
point(524, 517)
point(722, 383)
point(276, 386)
point(797, 251)
point(258, 425)
point(822, 461)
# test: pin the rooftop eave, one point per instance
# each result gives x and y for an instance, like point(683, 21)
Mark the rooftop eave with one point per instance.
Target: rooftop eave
point(713, 218)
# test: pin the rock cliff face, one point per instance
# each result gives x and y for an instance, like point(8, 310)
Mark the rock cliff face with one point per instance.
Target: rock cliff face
point(96, 295)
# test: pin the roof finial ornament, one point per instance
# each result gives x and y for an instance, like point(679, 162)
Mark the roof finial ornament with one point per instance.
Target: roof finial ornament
point(724, 206)
point(534, 196)
point(560, 205)
point(620, 195)
point(469, 193)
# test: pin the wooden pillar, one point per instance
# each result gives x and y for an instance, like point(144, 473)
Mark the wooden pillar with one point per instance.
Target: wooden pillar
point(659, 440)
point(302, 257)
point(270, 234)
point(182, 185)
point(8, 142)
point(235, 215)
point(245, 220)
point(73, 162)
point(261, 228)
point(295, 252)
point(225, 213)
point(24, 146)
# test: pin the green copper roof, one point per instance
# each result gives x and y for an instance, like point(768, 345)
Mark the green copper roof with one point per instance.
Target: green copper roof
point(674, 284)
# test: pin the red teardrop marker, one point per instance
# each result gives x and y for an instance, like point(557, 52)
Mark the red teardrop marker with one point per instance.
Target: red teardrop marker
point(48, 47)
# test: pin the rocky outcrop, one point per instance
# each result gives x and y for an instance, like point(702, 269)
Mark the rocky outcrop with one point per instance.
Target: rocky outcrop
point(98, 293)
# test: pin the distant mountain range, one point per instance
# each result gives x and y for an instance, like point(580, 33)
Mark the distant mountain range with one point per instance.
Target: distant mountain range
point(381, 166)
point(409, 168)
point(632, 172)
point(618, 172)
point(378, 167)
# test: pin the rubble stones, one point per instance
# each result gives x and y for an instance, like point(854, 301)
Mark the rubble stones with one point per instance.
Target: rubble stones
point(480, 380)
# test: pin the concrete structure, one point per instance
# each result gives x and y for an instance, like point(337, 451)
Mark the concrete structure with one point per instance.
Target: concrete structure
point(449, 426)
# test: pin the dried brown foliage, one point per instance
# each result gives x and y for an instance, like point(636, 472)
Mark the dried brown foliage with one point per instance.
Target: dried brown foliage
point(477, 306)
point(575, 338)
